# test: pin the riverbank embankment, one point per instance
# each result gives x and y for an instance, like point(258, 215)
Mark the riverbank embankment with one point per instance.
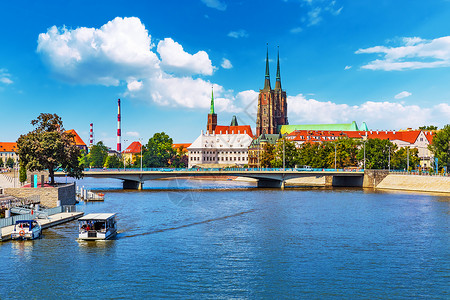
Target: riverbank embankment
point(419, 183)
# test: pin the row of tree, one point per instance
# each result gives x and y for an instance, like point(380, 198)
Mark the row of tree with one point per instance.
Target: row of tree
point(345, 152)
point(9, 162)
point(157, 153)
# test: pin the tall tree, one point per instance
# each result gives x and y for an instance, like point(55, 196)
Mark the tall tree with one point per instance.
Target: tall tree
point(377, 153)
point(158, 151)
point(440, 147)
point(401, 157)
point(113, 161)
point(49, 147)
point(1, 162)
point(97, 156)
point(287, 149)
point(428, 127)
point(266, 156)
point(10, 162)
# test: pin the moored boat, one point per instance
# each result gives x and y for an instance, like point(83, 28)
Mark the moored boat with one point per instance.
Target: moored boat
point(26, 230)
point(101, 226)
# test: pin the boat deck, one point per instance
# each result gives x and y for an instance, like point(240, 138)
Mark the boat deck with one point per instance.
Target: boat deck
point(52, 220)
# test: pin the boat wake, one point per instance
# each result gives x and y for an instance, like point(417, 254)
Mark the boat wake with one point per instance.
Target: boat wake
point(189, 225)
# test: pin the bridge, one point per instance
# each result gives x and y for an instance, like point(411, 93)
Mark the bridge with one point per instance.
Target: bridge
point(267, 177)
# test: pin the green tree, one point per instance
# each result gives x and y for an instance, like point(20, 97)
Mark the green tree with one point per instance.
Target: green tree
point(290, 154)
point(158, 151)
point(10, 162)
point(440, 147)
point(399, 160)
point(22, 174)
point(84, 159)
point(97, 155)
point(267, 155)
point(1, 162)
point(48, 146)
point(377, 153)
point(113, 161)
point(428, 127)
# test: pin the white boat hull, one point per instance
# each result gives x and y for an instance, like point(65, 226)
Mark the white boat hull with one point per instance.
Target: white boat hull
point(97, 235)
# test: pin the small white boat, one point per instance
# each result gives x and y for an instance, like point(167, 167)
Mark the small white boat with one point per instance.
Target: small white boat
point(26, 230)
point(97, 226)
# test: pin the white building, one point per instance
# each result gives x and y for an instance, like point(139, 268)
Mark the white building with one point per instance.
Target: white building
point(219, 150)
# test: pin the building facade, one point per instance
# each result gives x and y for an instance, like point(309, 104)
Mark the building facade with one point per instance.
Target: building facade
point(272, 104)
point(219, 150)
point(7, 151)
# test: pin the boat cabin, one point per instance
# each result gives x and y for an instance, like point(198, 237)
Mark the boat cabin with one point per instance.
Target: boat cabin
point(101, 226)
point(26, 230)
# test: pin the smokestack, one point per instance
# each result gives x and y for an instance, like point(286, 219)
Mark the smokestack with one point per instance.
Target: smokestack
point(91, 135)
point(119, 145)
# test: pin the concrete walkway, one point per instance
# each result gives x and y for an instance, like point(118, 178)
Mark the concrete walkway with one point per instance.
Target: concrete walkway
point(52, 220)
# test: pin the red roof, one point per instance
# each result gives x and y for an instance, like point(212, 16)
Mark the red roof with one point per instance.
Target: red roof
point(234, 129)
point(8, 146)
point(78, 140)
point(135, 147)
point(409, 136)
point(184, 145)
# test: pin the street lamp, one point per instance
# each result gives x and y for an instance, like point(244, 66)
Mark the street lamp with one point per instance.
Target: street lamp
point(284, 156)
point(140, 140)
point(123, 154)
point(335, 154)
point(364, 143)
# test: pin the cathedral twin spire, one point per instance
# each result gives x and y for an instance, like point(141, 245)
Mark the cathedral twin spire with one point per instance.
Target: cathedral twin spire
point(267, 77)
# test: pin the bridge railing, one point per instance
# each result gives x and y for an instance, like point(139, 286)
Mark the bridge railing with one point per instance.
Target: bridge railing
point(222, 169)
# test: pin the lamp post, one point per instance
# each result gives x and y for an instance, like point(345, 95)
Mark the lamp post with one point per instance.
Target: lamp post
point(140, 140)
point(123, 154)
point(407, 159)
point(364, 144)
point(335, 155)
point(284, 155)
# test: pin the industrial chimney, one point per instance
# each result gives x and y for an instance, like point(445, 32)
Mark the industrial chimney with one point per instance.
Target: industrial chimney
point(91, 135)
point(119, 145)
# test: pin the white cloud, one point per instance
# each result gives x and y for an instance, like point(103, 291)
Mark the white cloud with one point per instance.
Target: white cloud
point(377, 115)
point(120, 52)
point(226, 64)
point(217, 4)
point(415, 53)
point(133, 133)
point(296, 30)
point(347, 67)
point(402, 95)
point(238, 34)
point(134, 85)
point(314, 16)
point(174, 58)
point(5, 77)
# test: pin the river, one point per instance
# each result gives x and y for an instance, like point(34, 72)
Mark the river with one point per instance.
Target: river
point(191, 239)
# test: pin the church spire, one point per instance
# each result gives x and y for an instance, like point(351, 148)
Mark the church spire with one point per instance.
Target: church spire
point(267, 79)
point(212, 102)
point(278, 79)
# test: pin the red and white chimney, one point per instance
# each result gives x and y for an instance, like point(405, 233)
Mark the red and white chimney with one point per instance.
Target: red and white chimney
point(119, 145)
point(91, 135)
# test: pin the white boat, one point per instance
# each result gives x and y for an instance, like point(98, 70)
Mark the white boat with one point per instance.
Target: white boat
point(97, 226)
point(26, 230)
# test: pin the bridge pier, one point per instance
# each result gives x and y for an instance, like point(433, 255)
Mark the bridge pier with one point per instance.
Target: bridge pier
point(132, 185)
point(270, 183)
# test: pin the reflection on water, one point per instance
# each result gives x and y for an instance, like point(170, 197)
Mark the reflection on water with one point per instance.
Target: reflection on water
point(23, 249)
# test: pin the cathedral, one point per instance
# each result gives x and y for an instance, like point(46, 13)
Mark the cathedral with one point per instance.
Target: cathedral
point(272, 104)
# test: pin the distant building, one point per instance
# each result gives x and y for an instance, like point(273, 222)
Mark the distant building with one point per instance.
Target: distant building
point(8, 150)
point(258, 146)
point(182, 146)
point(287, 129)
point(129, 154)
point(411, 138)
point(219, 150)
point(78, 141)
point(272, 104)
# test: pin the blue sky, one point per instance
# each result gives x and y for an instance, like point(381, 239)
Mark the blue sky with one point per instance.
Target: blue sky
point(383, 62)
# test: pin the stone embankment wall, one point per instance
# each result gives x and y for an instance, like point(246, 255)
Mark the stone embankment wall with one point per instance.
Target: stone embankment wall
point(418, 183)
point(49, 196)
